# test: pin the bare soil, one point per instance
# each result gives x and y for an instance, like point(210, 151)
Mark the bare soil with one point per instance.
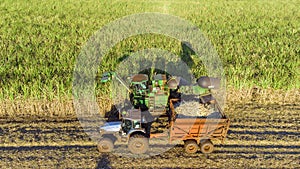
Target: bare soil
point(260, 136)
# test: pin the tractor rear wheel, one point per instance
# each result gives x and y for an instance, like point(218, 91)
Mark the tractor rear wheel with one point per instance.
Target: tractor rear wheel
point(138, 144)
point(191, 146)
point(105, 145)
point(206, 146)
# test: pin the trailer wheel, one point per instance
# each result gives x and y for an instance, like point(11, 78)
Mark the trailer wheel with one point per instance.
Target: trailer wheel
point(190, 146)
point(206, 146)
point(138, 144)
point(105, 145)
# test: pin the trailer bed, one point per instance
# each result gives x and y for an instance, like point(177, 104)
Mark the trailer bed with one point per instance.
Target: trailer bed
point(199, 129)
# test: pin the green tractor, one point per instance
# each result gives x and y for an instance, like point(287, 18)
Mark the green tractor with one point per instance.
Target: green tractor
point(153, 94)
point(144, 93)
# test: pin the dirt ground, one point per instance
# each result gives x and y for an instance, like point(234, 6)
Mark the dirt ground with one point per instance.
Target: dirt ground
point(260, 136)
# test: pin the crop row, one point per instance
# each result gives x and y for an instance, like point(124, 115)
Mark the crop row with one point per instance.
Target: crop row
point(258, 42)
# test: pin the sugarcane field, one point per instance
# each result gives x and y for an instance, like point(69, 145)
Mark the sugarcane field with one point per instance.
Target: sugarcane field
point(149, 84)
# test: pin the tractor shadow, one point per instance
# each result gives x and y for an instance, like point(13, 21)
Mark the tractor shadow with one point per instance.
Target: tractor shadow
point(104, 162)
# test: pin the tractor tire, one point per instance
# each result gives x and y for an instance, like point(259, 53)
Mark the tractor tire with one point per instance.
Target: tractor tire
point(138, 144)
point(206, 146)
point(191, 146)
point(105, 145)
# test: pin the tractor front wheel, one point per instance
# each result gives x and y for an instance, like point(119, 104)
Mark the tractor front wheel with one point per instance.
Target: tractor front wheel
point(105, 145)
point(138, 144)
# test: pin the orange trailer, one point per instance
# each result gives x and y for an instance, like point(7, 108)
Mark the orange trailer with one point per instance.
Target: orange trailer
point(198, 132)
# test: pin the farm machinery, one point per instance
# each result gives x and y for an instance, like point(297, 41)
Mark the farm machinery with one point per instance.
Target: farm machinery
point(157, 97)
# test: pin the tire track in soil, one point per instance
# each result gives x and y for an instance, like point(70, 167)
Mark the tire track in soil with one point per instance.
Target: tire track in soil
point(236, 153)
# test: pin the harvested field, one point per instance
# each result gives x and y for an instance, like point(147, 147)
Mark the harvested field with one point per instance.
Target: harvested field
point(264, 136)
